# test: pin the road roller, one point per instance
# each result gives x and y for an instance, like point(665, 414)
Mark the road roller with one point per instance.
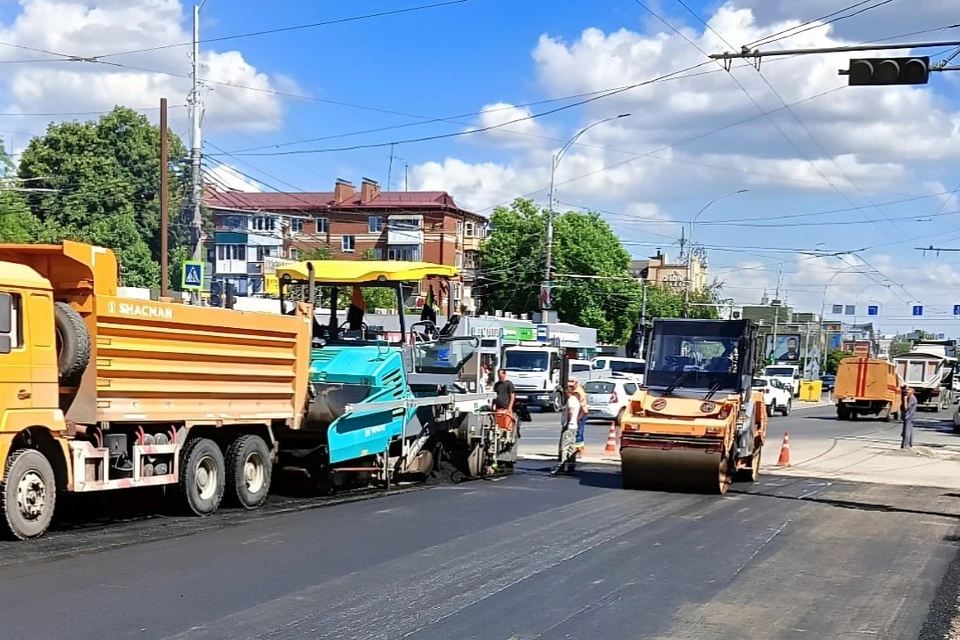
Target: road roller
point(696, 424)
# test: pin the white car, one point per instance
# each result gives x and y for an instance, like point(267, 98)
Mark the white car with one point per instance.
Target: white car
point(776, 395)
point(607, 398)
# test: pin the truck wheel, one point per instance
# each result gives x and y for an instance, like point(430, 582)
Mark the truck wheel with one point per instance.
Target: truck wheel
point(785, 410)
point(28, 495)
point(202, 476)
point(73, 344)
point(248, 471)
point(770, 408)
point(843, 414)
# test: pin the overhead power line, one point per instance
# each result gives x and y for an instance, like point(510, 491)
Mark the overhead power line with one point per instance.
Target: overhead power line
point(818, 22)
point(296, 27)
point(457, 134)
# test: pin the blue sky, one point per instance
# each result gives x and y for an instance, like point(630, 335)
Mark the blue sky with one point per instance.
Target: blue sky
point(876, 145)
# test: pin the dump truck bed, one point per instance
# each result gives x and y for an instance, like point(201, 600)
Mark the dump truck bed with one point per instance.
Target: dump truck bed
point(158, 361)
point(866, 379)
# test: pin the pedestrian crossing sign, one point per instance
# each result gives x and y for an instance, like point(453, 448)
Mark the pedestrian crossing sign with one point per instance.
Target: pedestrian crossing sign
point(192, 277)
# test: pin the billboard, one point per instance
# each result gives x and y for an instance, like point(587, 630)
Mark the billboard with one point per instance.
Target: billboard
point(786, 349)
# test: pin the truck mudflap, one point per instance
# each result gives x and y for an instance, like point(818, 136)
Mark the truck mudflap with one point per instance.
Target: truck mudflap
point(674, 463)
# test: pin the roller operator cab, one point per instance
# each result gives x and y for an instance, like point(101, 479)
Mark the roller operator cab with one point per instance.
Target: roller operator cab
point(697, 422)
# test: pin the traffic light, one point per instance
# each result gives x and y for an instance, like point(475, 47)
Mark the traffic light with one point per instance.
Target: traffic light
point(216, 293)
point(889, 71)
point(231, 298)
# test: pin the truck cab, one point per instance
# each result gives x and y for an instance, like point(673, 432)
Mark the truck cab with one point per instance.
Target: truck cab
point(788, 374)
point(535, 374)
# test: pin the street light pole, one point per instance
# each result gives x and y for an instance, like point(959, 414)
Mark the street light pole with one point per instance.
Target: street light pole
point(686, 297)
point(546, 302)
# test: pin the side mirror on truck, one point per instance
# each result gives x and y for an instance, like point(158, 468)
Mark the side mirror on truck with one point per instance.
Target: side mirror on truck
point(6, 322)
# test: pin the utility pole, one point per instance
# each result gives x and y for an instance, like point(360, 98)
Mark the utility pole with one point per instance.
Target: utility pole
point(164, 205)
point(776, 314)
point(196, 141)
point(390, 166)
point(406, 177)
point(806, 350)
point(643, 322)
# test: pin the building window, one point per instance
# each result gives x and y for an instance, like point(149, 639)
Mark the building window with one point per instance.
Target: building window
point(378, 253)
point(231, 252)
point(323, 225)
point(263, 223)
point(459, 228)
point(348, 244)
point(294, 254)
point(406, 252)
point(459, 260)
point(469, 230)
point(457, 291)
point(405, 224)
point(296, 225)
point(375, 224)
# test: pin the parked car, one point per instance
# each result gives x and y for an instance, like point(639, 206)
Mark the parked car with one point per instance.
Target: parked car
point(776, 395)
point(610, 367)
point(607, 398)
point(829, 381)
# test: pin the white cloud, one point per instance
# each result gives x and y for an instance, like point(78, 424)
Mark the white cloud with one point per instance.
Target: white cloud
point(811, 283)
point(476, 187)
point(859, 140)
point(88, 28)
point(224, 177)
point(523, 134)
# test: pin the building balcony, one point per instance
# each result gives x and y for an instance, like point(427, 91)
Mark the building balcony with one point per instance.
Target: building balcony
point(471, 243)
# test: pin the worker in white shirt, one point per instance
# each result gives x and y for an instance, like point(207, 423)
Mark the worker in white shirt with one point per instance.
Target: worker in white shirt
point(568, 432)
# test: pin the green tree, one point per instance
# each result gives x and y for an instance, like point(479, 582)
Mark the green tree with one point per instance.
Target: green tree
point(834, 356)
point(17, 224)
point(900, 346)
point(607, 299)
point(105, 176)
point(378, 297)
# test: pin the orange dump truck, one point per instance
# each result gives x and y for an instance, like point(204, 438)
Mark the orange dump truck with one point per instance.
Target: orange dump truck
point(100, 392)
point(867, 387)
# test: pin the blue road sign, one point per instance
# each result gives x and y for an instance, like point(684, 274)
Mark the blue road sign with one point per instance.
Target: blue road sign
point(542, 333)
point(956, 309)
point(192, 276)
point(873, 310)
point(918, 310)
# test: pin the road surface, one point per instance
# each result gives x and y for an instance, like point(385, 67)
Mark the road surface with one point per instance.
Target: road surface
point(531, 556)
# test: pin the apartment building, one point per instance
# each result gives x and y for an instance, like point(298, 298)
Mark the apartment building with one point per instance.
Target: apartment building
point(346, 224)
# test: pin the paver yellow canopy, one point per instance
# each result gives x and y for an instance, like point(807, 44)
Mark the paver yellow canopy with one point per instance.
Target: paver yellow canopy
point(696, 423)
point(366, 272)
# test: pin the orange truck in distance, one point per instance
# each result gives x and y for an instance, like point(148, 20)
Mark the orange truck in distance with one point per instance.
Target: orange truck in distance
point(99, 392)
point(867, 387)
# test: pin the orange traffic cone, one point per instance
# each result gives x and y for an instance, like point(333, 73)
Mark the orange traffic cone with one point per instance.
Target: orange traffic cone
point(784, 460)
point(611, 439)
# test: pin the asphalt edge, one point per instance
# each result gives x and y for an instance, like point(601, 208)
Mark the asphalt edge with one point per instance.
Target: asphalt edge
point(945, 607)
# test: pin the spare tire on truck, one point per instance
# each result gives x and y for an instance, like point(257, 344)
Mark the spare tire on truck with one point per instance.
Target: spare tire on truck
point(73, 344)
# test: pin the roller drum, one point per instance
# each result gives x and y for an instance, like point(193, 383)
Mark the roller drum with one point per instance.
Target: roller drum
point(675, 469)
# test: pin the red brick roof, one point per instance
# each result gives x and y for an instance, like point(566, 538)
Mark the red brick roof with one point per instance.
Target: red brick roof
point(323, 201)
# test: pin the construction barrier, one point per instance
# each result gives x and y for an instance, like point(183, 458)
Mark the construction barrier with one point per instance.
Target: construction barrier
point(811, 390)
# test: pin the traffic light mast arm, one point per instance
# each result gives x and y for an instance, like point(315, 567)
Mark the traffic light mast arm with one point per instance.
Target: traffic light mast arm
point(747, 53)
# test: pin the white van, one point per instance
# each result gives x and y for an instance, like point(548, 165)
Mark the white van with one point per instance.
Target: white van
point(581, 370)
point(614, 367)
